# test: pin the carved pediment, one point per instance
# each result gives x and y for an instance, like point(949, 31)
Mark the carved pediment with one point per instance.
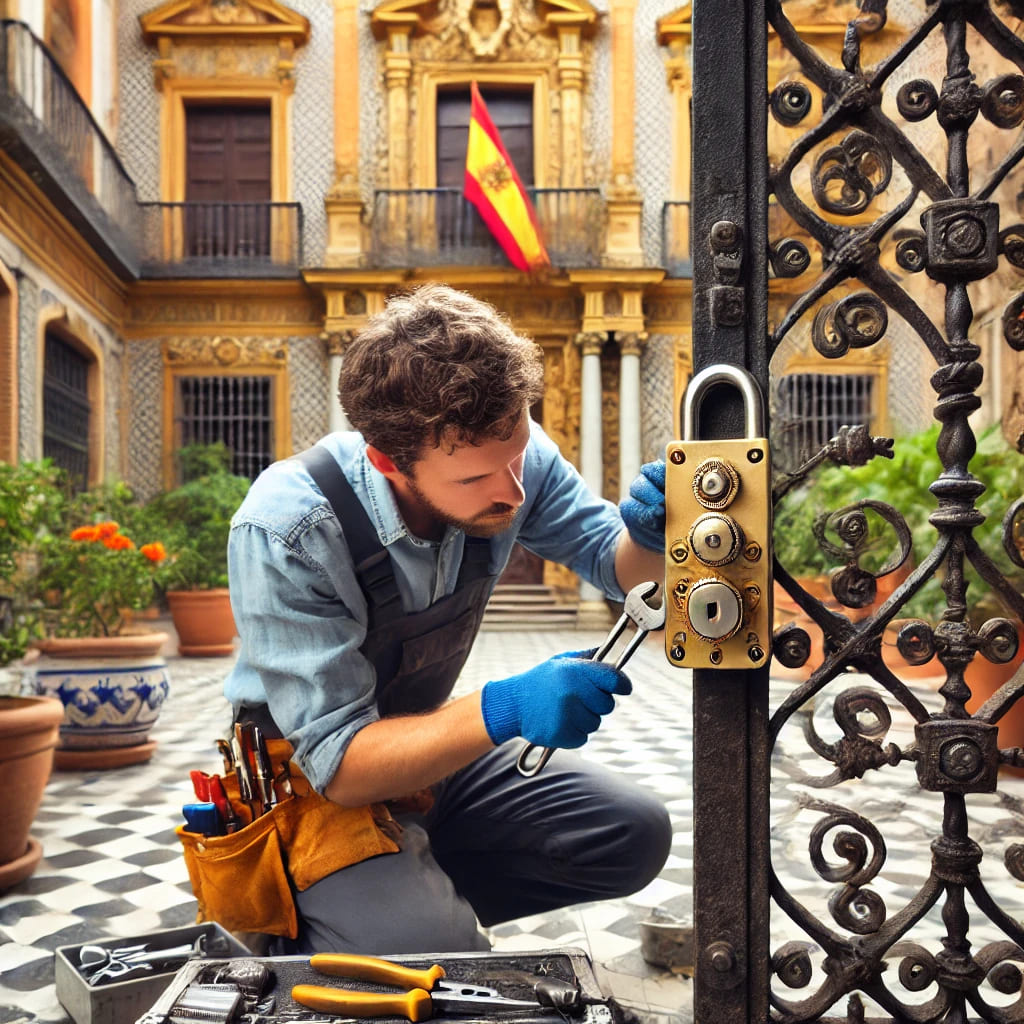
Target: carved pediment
point(193, 20)
point(485, 23)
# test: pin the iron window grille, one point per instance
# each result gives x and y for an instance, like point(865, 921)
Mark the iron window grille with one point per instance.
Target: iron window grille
point(811, 407)
point(237, 410)
point(67, 410)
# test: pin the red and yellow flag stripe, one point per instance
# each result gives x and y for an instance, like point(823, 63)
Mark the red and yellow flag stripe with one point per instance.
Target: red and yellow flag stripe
point(495, 189)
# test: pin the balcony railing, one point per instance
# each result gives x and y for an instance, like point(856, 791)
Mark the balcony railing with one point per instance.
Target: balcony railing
point(51, 134)
point(675, 239)
point(215, 239)
point(440, 227)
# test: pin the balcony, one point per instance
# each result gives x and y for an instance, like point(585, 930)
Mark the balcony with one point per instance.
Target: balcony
point(220, 240)
point(675, 239)
point(440, 227)
point(51, 134)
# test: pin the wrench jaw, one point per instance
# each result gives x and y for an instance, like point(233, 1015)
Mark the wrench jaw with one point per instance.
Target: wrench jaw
point(635, 611)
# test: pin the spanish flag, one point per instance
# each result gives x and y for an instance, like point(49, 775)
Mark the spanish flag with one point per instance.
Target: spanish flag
point(494, 188)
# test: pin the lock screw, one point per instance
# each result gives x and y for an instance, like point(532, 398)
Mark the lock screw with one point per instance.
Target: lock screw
point(715, 657)
point(678, 652)
point(677, 457)
point(756, 653)
point(755, 455)
point(722, 957)
point(752, 552)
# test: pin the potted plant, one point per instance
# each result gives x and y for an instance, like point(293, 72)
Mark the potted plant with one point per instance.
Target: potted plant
point(31, 495)
point(111, 677)
point(196, 519)
point(901, 482)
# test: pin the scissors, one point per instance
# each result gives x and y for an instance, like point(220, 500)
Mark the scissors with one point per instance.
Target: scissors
point(428, 994)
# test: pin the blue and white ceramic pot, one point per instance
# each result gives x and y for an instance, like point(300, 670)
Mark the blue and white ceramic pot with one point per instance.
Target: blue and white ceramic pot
point(112, 689)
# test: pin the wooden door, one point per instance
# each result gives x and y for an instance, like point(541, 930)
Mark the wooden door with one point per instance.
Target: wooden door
point(228, 180)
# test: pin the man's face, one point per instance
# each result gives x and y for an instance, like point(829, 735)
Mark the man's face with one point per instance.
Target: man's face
point(475, 488)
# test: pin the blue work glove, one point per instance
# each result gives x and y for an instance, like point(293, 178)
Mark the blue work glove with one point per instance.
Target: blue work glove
point(643, 511)
point(556, 704)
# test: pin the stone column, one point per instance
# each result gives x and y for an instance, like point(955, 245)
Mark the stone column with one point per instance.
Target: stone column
point(570, 88)
point(631, 344)
point(397, 73)
point(335, 343)
point(625, 203)
point(591, 444)
point(343, 202)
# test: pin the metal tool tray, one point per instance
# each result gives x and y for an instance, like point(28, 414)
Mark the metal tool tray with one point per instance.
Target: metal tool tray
point(512, 974)
point(120, 1002)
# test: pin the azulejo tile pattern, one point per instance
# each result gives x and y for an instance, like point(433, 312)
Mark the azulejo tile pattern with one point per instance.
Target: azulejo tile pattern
point(112, 866)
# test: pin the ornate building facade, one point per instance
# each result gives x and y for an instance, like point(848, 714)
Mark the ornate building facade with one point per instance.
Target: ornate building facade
point(202, 200)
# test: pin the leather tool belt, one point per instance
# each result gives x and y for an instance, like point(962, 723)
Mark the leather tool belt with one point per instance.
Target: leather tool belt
point(244, 880)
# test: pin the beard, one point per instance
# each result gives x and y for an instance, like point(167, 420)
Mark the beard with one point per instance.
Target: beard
point(489, 523)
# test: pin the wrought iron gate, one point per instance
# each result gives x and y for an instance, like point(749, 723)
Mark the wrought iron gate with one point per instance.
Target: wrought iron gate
point(898, 220)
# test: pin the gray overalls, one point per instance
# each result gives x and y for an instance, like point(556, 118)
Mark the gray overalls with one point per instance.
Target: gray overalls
point(494, 846)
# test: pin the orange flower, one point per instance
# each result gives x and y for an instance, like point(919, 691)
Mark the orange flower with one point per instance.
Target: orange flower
point(85, 533)
point(118, 542)
point(107, 529)
point(155, 551)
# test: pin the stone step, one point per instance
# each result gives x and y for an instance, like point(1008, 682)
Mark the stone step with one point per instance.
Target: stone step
point(527, 606)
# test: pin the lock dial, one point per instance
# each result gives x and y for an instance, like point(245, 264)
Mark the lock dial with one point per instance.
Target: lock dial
point(715, 483)
point(716, 539)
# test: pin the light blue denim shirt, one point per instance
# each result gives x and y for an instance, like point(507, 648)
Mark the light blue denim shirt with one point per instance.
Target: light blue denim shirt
point(300, 612)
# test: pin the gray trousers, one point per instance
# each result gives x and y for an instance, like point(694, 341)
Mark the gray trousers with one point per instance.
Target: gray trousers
point(494, 847)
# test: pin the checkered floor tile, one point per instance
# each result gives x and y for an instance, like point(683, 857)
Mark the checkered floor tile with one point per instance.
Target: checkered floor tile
point(111, 866)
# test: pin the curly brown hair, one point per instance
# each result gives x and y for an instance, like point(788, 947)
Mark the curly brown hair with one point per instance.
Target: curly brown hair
point(437, 365)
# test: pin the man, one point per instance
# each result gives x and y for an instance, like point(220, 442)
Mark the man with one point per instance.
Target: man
point(359, 574)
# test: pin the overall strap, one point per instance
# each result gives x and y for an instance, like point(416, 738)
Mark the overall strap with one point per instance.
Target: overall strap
point(372, 564)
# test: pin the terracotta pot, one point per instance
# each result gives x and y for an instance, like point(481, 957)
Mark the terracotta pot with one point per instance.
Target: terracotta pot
point(203, 620)
point(984, 679)
point(29, 728)
point(112, 689)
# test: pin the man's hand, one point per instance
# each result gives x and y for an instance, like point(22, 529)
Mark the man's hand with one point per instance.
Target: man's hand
point(557, 704)
point(643, 511)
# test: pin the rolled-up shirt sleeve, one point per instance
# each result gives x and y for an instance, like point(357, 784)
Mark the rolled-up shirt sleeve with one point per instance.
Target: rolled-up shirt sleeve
point(565, 521)
point(301, 626)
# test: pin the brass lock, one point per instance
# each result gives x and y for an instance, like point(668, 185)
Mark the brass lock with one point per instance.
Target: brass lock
point(718, 612)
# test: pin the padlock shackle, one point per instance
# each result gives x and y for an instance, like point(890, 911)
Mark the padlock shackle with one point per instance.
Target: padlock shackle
point(724, 373)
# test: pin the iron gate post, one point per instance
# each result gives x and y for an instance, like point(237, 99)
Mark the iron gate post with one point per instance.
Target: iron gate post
point(729, 246)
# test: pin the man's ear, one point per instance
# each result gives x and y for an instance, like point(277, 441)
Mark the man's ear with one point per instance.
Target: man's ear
point(381, 462)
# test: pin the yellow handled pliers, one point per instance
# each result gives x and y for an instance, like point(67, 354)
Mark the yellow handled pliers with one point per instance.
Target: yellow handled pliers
point(428, 994)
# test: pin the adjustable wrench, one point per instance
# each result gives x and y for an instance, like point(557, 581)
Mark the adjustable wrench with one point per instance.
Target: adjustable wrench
point(637, 611)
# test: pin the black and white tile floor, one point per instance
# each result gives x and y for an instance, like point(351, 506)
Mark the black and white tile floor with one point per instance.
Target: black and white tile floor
point(112, 866)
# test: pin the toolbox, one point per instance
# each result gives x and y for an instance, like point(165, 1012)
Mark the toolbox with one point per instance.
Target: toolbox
point(538, 987)
point(121, 1002)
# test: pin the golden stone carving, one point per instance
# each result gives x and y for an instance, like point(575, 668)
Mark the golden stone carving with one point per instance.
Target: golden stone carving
point(590, 343)
point(631, 343)
point(484, 23)
point(223, 12)
point(451, 35)
point(610, 423)
point(336, 342)
point(237, 19)
point(225, 351)
point(562, 398)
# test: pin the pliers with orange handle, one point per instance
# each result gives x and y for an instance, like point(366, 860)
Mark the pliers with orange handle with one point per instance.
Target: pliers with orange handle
point(428, 994)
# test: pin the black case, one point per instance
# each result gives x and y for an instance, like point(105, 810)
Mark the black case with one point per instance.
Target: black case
point(513, 975)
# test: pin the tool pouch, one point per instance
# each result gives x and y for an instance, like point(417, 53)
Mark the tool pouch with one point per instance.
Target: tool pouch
point(244, 880)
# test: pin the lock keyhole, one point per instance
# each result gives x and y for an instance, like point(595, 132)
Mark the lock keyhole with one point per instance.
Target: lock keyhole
point(714, 609)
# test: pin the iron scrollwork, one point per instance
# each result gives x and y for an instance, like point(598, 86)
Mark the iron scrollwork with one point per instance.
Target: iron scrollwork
point(850, 182)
